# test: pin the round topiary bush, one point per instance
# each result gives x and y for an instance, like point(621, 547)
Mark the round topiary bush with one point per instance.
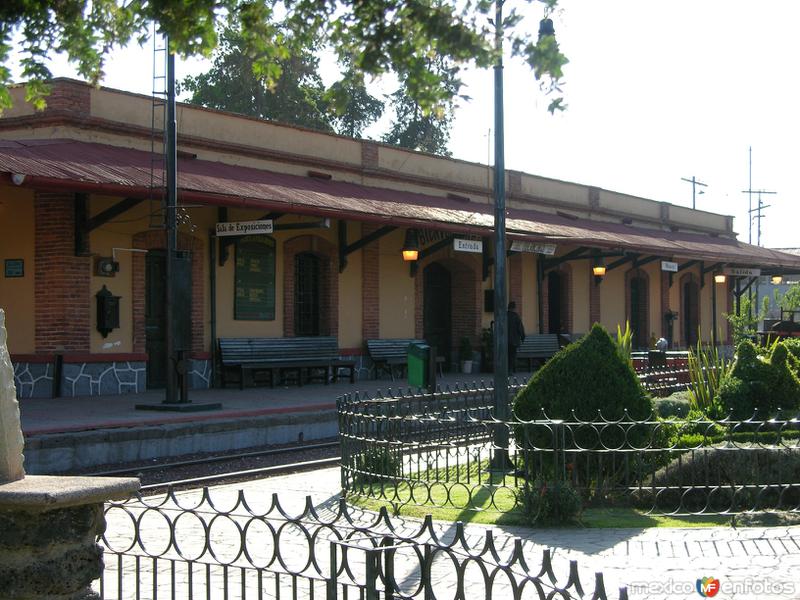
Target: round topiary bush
point(588, 376)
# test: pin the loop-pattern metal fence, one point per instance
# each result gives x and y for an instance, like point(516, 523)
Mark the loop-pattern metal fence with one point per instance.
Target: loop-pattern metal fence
point(190, 547)
point(437, 450)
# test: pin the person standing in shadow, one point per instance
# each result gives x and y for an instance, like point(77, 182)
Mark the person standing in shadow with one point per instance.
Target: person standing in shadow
point(516, 335)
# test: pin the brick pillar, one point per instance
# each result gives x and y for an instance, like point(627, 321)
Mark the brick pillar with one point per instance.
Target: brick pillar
point(665, 304)
point(61, 279)
point(594, 299)
point(370, 286)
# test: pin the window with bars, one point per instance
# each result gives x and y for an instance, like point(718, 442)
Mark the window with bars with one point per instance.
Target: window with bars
point(307, 296)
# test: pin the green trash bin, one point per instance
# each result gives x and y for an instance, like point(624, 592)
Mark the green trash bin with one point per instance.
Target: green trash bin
point(418, 367)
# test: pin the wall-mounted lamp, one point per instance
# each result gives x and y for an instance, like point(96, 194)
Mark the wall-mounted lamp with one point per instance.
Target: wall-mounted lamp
point(18, 178)
point(598, 270)
point(776, 279)
point(411, 245)
point(719, 278)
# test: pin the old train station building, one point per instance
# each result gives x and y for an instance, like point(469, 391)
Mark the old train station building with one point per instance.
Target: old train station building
point(82, 228)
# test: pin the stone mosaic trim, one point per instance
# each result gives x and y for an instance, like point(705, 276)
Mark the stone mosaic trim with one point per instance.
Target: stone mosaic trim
point(101, 379)
point(200, 374)
point(33, 380)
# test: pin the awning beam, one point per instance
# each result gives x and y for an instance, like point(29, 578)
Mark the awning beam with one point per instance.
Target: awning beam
point(85, 224)
point(429, 251)
point(346, 249)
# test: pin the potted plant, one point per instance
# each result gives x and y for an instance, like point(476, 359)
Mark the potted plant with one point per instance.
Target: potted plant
point(487, 349)
point(465, 355)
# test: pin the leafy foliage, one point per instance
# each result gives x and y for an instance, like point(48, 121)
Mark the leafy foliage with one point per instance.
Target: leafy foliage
point(707, 368)
point(378, 37)
point(588, 377)
point(625, 342)
point(743, 325)
point(763, 383)
point(550, 503)
point(296, 96)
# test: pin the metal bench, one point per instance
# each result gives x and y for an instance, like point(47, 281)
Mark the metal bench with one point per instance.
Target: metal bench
point(539, 347)
point(281, 357)
point(390, 353)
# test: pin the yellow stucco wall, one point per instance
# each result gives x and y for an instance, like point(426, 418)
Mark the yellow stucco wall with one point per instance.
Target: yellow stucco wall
point(581, 280)
point(396, 298)
point(17, 293)
point(350, 300)
point(612, 300)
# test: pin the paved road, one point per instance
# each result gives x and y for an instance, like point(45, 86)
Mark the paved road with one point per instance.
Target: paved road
point(664, 564)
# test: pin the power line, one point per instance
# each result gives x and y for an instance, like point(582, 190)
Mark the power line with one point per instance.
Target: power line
point(694, 183)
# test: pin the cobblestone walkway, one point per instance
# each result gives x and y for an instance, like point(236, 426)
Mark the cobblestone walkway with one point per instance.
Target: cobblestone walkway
point(656, 564)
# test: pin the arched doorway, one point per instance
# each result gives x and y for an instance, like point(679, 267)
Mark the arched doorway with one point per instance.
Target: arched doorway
point(307, 294)
point(437, 302)
point(691, 311)
point(639, 301)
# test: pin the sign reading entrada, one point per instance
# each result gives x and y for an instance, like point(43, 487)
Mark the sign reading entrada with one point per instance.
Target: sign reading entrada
point(244, 228)
point(462, 245)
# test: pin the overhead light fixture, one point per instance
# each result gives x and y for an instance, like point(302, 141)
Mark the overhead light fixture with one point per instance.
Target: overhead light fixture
point(411, 246)
point(18, 178)
point(776, 279)
point(719, 278)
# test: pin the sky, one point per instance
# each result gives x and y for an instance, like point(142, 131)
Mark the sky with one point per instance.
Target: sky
point(656, 91)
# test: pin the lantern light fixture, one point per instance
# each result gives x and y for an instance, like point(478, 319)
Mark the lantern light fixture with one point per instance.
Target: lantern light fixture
point(776, 280)
point(410, 248)
point(598, 269)
point(719, 278)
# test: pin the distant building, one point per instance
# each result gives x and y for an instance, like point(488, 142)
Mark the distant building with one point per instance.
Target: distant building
point(80, 193)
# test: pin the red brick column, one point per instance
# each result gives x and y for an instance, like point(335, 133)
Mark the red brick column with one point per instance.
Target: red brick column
point(665, 306)
point(370, 286)
point(69, 96)
point(61, 279)
point(595, 312)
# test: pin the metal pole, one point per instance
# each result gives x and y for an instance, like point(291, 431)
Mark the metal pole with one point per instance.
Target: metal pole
point(171, 226)
point(501, 405)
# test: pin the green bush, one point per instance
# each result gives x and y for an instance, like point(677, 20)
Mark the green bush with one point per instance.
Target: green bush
point(588, 376)
point(765, 383)
point(551, 503)
point(719, 478)
point(676, 405)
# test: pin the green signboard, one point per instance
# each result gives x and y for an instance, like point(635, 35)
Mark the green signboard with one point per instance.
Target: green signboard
point(254, 298)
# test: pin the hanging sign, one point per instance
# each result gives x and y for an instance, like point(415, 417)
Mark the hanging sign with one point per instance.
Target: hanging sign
point(669, 266)
point(533, 247)
point(741, 272)
point(244, 228)
point(462, 245)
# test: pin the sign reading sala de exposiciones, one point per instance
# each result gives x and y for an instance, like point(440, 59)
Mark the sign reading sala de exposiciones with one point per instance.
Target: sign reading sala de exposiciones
point(244, 228)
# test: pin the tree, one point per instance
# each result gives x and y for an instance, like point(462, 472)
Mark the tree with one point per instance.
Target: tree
point(355, 108)
point(415, 127)
point(380, 36)
point(296, 96)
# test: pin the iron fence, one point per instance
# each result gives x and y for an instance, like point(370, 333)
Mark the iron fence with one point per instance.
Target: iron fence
point(438, 452)
point(178, 546)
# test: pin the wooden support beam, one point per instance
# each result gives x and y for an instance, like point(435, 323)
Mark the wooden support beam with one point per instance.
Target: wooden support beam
point(112, 212)
point(429, 251)
point(346, 249)
point(577, 254)
point(81, 225)
point(640, 262)
point(622, 261)
point(688, 264)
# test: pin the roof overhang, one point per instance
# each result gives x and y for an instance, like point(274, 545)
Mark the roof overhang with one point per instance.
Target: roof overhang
point(68, 165)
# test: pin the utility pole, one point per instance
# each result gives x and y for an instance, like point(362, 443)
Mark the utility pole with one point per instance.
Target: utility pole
point(757, 210)
point(501, 404)
point(694, 183)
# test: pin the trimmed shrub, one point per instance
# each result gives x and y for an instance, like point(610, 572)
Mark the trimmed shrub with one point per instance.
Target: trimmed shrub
point(588, 376)
point(720, 478)
point(765, 383)
point(676, 405)
point(551, 503)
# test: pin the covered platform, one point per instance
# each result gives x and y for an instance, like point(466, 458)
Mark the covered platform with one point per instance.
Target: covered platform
point(80, 433)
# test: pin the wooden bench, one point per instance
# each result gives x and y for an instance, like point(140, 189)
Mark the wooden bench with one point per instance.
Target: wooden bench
point(282, 357)
point(539, 347)
point(390, 353)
